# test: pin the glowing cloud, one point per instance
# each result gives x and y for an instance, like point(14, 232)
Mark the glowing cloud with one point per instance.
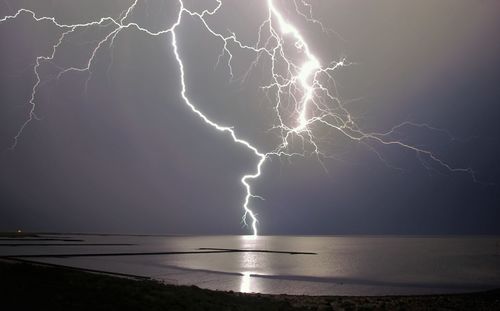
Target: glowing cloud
point(302, 83)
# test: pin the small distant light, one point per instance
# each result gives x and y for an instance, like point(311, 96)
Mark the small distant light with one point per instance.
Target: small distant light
point(18, 230)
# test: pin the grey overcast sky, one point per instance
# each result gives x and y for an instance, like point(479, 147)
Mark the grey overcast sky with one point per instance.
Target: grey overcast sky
point(128, 156)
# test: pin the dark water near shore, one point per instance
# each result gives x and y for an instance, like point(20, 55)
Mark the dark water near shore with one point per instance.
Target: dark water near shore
point(343, 265)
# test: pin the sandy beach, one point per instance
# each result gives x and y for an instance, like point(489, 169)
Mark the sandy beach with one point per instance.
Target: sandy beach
point(42, 287)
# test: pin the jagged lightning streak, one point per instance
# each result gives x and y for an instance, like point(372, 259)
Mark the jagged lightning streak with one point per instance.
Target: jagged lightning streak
point(229, 130)
point(302, 96)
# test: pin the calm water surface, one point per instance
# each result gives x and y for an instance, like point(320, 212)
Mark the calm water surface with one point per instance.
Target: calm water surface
point(343, 265)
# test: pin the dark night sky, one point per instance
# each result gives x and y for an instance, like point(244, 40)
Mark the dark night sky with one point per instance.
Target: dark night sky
point(128, 156)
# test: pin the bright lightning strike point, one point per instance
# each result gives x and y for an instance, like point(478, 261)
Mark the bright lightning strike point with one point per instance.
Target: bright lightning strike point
point(312, 100)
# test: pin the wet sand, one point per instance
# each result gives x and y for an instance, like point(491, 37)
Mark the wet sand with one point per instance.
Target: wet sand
point(42, 287)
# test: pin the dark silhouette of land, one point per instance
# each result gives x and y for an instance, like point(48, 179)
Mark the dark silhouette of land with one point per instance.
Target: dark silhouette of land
point(199, 251)
point(27, 286)
point(42, 239)
point(65, 244)
point(234, 250)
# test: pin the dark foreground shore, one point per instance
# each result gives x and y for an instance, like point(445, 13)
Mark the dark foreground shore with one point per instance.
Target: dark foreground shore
point(25, 286)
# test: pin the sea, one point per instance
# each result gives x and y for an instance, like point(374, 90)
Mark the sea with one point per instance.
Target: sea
point(309, 265)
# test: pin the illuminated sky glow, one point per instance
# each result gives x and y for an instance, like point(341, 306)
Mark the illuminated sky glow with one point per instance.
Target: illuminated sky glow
point(302, 89)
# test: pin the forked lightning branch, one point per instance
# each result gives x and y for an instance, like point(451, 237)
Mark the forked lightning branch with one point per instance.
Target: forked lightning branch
point(301, 92)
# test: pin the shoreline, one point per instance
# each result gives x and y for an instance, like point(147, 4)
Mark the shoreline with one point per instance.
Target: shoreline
point(26, 284)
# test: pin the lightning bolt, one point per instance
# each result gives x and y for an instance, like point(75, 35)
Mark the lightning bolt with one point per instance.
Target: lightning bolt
point(301, 90)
